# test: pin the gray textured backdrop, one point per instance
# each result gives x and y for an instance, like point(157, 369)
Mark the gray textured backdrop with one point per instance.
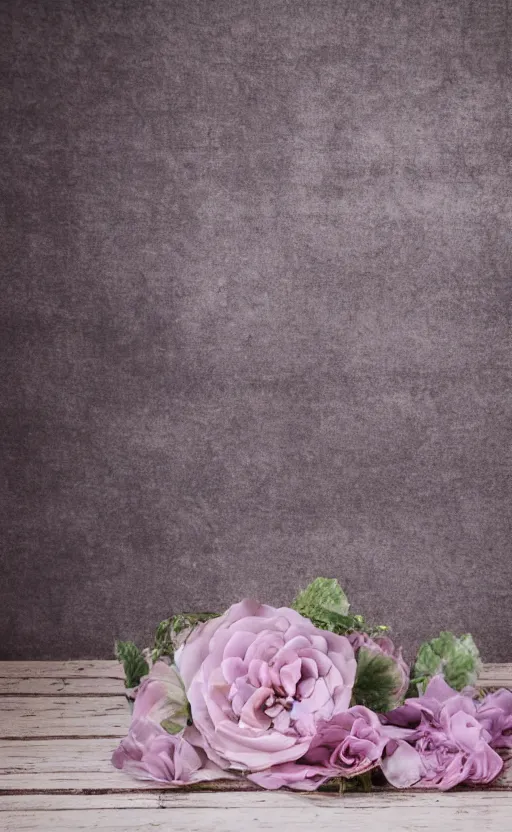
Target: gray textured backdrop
point(255, 318)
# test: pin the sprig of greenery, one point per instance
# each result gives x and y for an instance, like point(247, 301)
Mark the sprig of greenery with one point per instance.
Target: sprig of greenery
point(168, 631)
point(163, 645)
point(134, 664)
point(326, 605)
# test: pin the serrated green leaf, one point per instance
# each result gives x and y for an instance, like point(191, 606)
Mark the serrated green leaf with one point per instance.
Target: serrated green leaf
point(323, 597)
point(327, 607)
point(377, 681)
point(134, 664)
point(456, 658)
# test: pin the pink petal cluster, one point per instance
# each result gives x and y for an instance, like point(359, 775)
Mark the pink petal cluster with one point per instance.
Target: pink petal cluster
point(259, 680)
point(349, 744)
point(149, 752)
point(494, 713)
point(445, 738)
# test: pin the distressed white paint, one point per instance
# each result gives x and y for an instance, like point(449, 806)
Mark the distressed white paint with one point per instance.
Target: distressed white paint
point(61, 686)
point(66, 716)
point(94, 669)
point(443, 813)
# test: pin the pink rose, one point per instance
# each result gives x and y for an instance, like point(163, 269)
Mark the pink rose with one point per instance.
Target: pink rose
point(445, 746)
point(351, 743)
point(150, 752)
point(259, 679)
point(495, 715)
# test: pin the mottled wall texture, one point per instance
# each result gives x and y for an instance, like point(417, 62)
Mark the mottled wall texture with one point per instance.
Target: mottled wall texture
point(255, 317)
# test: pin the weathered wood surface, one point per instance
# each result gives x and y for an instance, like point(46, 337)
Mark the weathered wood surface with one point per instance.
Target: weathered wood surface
point(304, 813)
point(496, 675)
point(59, 722)
point(68, 670)
point(70, 716)
point(54, 686)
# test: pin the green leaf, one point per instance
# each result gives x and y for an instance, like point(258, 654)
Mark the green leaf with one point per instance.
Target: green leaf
point(134, 664)
point(456, 658)
point(327, 607)
point(323, 597)
point(377, 681)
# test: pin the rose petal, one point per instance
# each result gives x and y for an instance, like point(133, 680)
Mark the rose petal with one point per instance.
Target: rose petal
point(403, 768)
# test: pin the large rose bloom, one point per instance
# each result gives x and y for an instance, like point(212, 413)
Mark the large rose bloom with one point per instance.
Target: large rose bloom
point(258, 679)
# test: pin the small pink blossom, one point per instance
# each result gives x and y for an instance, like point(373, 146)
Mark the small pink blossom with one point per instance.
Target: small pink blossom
point(161, 698)
point(437, 741)
point(150, 752)
point(495, 715)
point(349, 744)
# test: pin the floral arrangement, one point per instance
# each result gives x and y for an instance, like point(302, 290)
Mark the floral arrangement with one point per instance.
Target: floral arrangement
point(308, 695)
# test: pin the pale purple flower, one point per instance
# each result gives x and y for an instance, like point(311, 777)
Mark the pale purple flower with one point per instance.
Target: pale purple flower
point(384, 645)
point(350, 744)
point(437, 741)
point(150, 753)
point(259, 679)
point(495, 715)
point(160, 746)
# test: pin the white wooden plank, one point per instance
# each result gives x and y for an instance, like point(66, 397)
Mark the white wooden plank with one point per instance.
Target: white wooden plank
point(301, 815)
point(496, 675)
point(91, 669)
point(87, 716)
point(65, 686)
point(180, 799)
point(75, 781)
point(60, 764)
point(67, 756)
point(152, 799)
point(67, 765)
